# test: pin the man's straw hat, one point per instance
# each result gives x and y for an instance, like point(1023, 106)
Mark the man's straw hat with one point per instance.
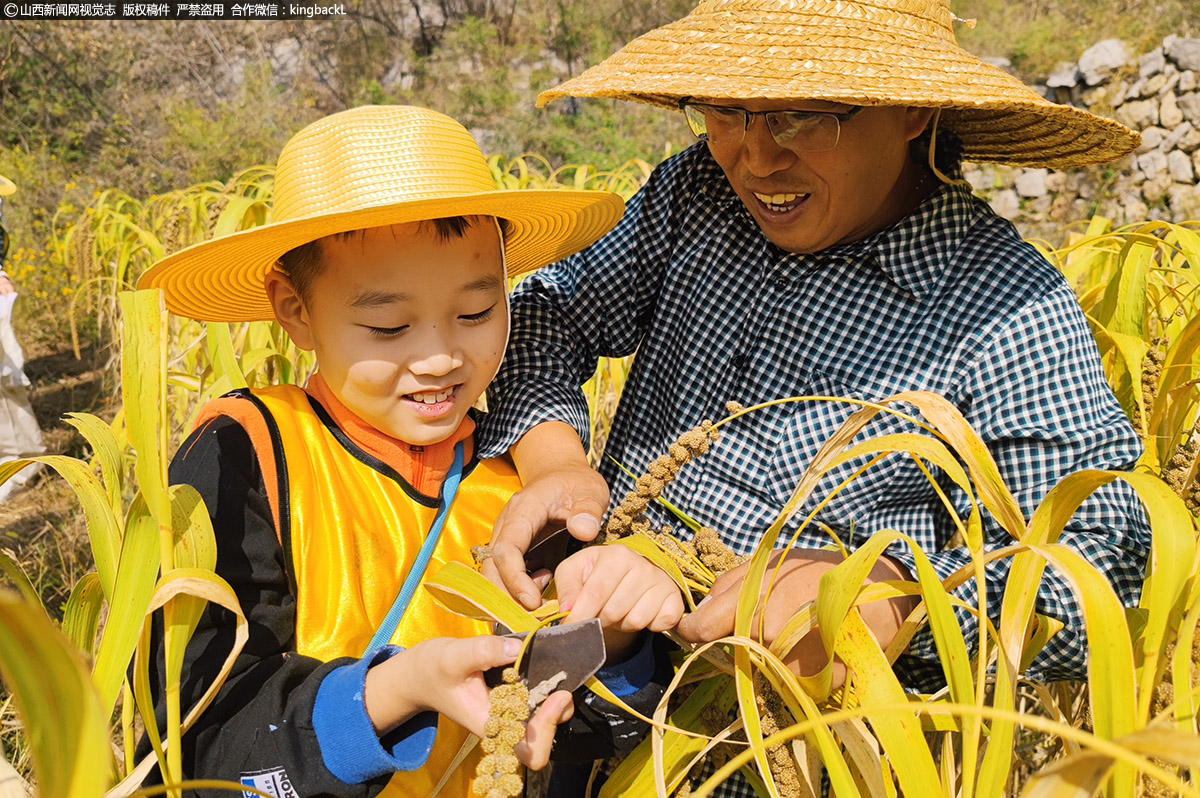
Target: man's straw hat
point(859, 52)
point(6, 186)
point(370, 167)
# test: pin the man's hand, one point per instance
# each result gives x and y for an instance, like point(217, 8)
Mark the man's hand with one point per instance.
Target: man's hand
point(559, 485)
point(627, 592)
point(798, 582)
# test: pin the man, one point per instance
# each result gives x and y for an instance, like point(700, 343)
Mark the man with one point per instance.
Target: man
point(811, 244)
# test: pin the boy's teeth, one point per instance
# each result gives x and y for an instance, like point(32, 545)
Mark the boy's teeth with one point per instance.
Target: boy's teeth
point(432, 398)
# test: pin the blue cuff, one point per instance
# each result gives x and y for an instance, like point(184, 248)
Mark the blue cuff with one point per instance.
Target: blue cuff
point(628, 677)
point(350, 748)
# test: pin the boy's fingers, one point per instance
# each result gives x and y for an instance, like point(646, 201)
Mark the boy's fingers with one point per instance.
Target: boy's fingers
point(568, 579)
point(541, 578)
point(658, 610)
point(485, 652)
point(534, 750)
point(595, 597)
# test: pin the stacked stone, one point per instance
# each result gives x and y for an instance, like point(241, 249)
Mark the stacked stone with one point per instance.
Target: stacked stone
point(1157, 94)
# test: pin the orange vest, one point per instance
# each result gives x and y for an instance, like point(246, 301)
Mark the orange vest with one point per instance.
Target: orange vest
point(353, 527)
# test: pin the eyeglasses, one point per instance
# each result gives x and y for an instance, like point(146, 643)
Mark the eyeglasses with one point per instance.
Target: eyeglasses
point(799, 131)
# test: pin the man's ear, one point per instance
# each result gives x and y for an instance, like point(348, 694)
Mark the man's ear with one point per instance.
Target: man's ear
point(290, 310)
point(916, 120)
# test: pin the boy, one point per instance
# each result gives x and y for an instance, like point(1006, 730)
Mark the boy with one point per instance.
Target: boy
point(387, 257)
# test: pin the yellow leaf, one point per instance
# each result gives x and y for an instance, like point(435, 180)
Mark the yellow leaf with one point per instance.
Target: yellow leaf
point(464, 591)
point(67, 731)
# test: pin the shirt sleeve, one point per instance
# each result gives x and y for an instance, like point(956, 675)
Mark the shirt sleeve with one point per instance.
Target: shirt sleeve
point(1039, 398)
point(566, 316)
point(261, 724)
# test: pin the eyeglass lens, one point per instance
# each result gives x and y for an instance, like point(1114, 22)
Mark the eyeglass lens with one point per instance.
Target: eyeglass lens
point(795, 130)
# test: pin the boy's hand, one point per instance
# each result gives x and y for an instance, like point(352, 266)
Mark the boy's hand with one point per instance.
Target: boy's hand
point(445, 675)
point(559, 486)
point(627, 592)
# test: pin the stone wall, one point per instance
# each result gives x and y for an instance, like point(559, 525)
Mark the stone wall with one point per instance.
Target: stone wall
point(1157, 94)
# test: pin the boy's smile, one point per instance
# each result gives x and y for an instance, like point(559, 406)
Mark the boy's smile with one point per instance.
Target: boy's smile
point(408, 328)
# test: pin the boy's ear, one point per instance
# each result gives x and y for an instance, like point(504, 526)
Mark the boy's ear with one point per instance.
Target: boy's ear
point(290, 310)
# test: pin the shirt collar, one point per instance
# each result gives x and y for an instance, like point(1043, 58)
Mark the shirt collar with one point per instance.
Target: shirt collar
point(423, 467)
point(912, 253)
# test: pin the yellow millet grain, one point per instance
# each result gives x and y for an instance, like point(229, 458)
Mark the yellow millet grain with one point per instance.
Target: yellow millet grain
point(498, 773)
point(713, 552)
point(680, 553)
point(772, 713)
point(627, 518)
point(510, 784)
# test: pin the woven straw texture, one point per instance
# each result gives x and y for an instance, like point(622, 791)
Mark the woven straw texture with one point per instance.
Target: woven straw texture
point(861, 52)
point(370, 167)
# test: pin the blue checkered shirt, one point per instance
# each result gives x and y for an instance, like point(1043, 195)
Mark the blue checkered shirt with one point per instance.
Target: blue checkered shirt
point(948, 300)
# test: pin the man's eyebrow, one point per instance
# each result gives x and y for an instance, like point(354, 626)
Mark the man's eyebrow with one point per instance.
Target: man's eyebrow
point(374, 299)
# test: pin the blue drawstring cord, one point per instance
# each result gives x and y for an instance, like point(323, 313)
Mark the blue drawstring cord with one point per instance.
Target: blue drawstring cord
point(388, 628)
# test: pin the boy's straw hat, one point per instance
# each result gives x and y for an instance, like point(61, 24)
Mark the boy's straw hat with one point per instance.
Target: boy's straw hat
point(859, 52)
point(6, 186)
point(370, 167)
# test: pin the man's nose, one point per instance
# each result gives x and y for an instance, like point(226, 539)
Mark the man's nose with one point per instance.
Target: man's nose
point(762, 154)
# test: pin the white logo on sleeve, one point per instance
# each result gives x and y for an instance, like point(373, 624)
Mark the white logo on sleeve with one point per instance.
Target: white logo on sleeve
point(273, 782)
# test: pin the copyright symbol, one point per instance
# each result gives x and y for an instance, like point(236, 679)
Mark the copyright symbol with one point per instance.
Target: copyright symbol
point(10, 9)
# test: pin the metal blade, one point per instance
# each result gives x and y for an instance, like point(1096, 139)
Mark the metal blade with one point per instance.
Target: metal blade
point(576, 649)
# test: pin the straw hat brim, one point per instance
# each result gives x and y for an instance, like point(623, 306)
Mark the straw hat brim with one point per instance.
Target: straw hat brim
point(222, 279)
point(786, 56)
point(6, 186)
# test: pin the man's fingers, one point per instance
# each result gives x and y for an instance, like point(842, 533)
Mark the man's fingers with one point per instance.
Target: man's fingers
point(509, 562)
point(584, 525)
point(585, 506)
point(534, 750)
point(711, 621)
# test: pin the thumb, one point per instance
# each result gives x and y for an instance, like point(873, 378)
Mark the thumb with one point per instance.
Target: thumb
point(584, 524)
point(713, 619)
point(486, 652)
point(571, 575)
point(589, 500)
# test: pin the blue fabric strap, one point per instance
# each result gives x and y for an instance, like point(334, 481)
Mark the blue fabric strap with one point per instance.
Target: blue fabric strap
point(383, 635)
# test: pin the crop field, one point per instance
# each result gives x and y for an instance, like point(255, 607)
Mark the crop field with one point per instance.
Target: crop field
point(77, 675)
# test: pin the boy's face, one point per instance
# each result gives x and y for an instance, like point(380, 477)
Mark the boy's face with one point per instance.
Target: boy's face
point(408, 328)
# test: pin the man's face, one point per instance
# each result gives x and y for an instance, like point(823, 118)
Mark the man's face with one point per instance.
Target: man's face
point(805, 202)
point(409, 329)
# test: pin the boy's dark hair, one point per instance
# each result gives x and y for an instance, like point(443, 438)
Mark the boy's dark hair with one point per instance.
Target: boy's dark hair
point(303, 264)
